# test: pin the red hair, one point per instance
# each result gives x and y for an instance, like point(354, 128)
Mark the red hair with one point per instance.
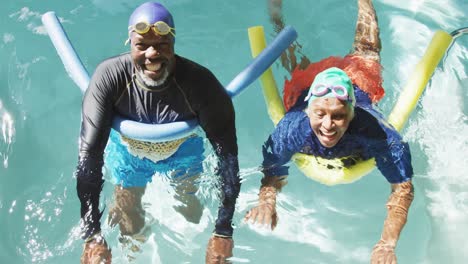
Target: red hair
point(365, 73)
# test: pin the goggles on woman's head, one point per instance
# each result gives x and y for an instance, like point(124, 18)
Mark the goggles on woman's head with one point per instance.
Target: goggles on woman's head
point(160, 27)
point(338, 91)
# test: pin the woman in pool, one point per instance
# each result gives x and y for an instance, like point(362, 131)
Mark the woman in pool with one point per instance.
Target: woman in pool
point(331, 115)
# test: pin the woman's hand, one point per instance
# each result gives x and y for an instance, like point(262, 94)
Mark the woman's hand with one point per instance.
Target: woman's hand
point(383, 254)
point(265, 212)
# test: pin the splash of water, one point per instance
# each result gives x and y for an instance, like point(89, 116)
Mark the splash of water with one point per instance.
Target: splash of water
point(8, 134)
point(441, 130)
point(304, 219)
point(168, 226)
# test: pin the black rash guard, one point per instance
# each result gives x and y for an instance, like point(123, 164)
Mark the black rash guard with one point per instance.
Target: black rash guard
point(191, 91)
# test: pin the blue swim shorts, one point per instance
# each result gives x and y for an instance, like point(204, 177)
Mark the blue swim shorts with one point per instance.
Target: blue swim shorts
point(128, 170)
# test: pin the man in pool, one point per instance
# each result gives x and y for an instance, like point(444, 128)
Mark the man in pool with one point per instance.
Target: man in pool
point(153, 85)
point(335, 118)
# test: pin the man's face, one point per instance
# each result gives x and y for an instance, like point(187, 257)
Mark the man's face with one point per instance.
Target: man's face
point(153, 56)
point(329, 119)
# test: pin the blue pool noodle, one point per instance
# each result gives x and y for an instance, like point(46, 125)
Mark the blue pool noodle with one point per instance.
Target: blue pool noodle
point(170, 131)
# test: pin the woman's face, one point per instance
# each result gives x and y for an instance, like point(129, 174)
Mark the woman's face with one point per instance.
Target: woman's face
point(329, 119)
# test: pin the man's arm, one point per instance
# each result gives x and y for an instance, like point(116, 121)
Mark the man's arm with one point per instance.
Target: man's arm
point(223, 139)
point(217, 118)
point(97, 114)
point(215, 113)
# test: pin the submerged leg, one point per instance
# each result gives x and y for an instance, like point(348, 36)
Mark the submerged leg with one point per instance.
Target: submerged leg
point(288, 58)
point(185, 188)
point(127, 211)
point(366, 40)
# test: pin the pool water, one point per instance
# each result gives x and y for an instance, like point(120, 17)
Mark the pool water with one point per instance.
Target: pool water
point(40, 121)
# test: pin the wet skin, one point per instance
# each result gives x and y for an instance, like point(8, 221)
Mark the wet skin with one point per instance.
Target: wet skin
point(329, 119)
point(153, 54)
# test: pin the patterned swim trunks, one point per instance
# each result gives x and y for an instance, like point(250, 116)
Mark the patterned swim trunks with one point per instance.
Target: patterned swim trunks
point(133, 163)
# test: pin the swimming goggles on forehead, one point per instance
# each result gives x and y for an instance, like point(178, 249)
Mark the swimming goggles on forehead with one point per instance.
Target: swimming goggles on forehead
point(338, 91)
point(160, 28)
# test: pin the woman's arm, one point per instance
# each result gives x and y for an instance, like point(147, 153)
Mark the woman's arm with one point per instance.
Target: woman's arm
point(287, 138)
point(397, 207)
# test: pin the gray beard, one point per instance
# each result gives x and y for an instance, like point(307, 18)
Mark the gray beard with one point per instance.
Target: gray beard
point(150, 82)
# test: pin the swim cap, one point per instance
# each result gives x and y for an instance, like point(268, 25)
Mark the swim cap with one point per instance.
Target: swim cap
point(151, 12)
point(332, 82)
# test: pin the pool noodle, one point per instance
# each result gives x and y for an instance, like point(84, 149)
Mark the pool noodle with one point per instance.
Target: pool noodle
point(170, 131)
point(418, 80)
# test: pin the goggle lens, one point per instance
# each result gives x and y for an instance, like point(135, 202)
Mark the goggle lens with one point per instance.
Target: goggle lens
point(141, 27)
point(160, 27)
point(338, 91)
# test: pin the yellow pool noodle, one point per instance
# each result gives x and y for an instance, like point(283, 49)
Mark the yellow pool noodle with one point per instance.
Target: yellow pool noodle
point(273, 100)
point(418, 79)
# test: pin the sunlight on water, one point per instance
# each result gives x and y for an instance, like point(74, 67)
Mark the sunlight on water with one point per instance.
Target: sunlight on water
point(165, 227)
point(8, 134)
point(39, 216)
point(443, 13)
point(208, 183)
point(300, 223)
point(32, 20)
point(40, 119)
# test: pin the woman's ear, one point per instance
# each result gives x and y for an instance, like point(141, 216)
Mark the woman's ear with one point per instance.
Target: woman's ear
point(351, 109)
point(307, 111)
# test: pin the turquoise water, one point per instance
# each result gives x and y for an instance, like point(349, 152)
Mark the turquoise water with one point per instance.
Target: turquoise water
point(40, 118)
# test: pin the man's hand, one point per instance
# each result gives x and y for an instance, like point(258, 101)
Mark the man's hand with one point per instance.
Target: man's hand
point(218, 250)
point(383, 254)
point(96, 251)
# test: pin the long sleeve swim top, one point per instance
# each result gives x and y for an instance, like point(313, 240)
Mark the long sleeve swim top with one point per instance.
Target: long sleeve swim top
point(368, 136)
point(191, 91)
